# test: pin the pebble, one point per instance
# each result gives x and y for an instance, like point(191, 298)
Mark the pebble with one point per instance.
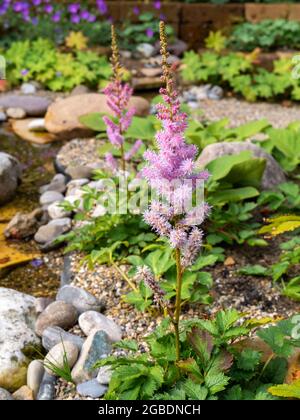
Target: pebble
point(104, 375)
point(58, 314)
point(35, 375)
point(91, 389)
point(41, 304)
point(57, 184)
point(28, 89)
point(47, 388)
point(5, 395)
point(49, 197)
point(16, 113)
point(24, 394)
point(94, 321)
point(82, 300)
point(98, 211)
point(146, 50)
point(54, 335)
point(37, 125)
point(56, 211)
point(58, 354)
point(95, 347)
point(48, 233)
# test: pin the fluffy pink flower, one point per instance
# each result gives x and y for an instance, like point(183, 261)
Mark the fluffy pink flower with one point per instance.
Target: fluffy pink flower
point(192, 247)
point(133, 150)
point(111, 162)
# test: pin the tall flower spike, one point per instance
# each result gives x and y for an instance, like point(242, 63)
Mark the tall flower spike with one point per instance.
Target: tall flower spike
point(115, 56)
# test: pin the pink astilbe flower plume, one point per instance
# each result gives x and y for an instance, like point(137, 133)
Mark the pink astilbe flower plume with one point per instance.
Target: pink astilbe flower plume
point(118, 97)
point(172, 173)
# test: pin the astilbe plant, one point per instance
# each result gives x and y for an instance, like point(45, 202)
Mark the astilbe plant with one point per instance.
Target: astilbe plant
point(172, 173)
point(118, 97)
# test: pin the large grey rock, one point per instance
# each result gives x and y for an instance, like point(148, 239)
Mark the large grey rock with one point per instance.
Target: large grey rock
point(35, 375)
point(24, 225)
point(91, 389)
point(17, 337)
point(47, 388)
point(55, 335)
point(94, 321)
point(96, 347)
point(51, 231)
point(10, 176)
point(59, 354)
point(34, 106)
point(82, 300)
point(58, 314)
point(49, 197)
point(273, 174)
point(5, 395)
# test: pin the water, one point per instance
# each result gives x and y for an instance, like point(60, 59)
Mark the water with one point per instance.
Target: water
point(37, 277)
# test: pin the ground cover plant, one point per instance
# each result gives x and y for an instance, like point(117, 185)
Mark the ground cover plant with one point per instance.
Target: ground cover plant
point(237, 73)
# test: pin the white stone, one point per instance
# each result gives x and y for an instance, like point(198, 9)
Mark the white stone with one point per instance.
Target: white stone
point(28, 89)
point(92, 321)
point(35, 375)
point(17, 320)
point(99, 211)
point(56, 211)
point(57, 355)
point(16, 113)
point(37, 125)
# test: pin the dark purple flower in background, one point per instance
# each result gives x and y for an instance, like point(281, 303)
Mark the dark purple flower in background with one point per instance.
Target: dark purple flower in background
point(157, 4)
point(19, 6)
point(24, 72)
point(136, 10)
point(162, 17)
point(92, 18)
point(102, 6)
point(48, 8)
point(36, 2)
point(84, 14)
point(75, 19)
point(149, 32)
point(34, 21)
point(56, 17)
point(36, 263)
point(74, 8)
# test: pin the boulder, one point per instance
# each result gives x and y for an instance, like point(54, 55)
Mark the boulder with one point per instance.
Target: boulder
point(10, 176)
point(273, 174)
point(34, 106)
point(24, 225)
point(62, 118)
point(58, 314)
point(17, 337)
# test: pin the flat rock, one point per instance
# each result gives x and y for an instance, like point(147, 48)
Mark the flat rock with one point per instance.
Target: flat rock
point(17, 319)
point(55, 335)
point(47, 388)
point(23, 394)
point(10, 176)
point(91, 389)
point(61, 352)
point(48, 233)
point(146, 83)
point(5, 395)
point(94, 321)
point(273, 174)
point(62, 118)
point(58, 314)
point(25, 225)
point(57, 184)
point(34, 106)
point(22, 130)
point(96, 346)
point(35, 375)
point(82, 300)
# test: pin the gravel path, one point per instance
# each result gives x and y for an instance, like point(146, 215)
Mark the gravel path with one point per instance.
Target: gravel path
point(240, 112)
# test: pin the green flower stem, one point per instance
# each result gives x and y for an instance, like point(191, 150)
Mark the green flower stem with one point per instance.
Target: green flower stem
point(178, 303)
